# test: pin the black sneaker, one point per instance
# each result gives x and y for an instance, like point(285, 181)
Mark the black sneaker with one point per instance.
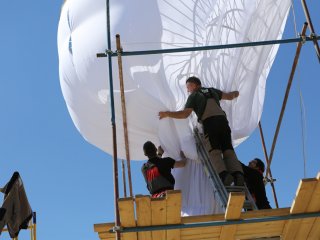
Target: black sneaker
point(238, 179)
point(226, 178)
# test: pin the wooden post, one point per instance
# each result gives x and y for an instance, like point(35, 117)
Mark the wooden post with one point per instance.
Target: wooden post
point(124, 112)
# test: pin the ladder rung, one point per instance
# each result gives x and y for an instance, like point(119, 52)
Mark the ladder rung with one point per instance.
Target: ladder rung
point(235, 188)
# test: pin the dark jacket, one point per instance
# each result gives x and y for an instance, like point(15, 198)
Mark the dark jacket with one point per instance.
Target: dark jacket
point(254, 181)
point(15, 211)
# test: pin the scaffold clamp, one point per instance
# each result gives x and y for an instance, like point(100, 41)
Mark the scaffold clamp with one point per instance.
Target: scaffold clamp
point(117, 229)
point(270, 180)
point(303, 38)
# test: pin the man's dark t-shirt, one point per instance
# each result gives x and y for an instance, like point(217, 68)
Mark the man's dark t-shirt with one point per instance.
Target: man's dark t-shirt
point(164, 165)
point(205, 103)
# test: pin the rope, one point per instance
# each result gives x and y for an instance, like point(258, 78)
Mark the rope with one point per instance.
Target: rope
point(302, 108)
point(303, 132)
point(294, 65)
point(294, 19)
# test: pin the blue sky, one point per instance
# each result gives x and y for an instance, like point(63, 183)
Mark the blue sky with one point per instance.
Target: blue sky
point(68, 181)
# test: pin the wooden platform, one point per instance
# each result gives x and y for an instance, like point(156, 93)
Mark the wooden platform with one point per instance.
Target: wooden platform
point(300, 221)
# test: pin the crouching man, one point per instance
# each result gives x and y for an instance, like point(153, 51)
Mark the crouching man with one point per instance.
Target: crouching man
point(157, 170)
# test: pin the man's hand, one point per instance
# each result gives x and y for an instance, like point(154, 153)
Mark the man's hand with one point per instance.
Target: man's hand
point(160, 151)
point(182, 155)
point(163, 114)
point(230, 95)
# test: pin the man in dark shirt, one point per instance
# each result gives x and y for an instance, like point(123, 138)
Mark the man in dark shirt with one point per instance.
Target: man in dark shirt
point(253, 174)
point(205, 102)
point(157, 171)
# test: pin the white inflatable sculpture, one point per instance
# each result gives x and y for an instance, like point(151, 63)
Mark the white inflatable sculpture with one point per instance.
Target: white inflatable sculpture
point(157, 82)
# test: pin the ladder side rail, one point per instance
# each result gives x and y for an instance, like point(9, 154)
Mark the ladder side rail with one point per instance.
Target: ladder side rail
point(214, 177)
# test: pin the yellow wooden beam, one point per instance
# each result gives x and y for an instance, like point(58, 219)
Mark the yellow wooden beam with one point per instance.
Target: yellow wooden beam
point(127, 219)
point(259, 230)
point(200, 233)
point(173, 213)
point(143, 211)
point(299, 205)
point(233, 212)
point(244, 215)
point(315, 230)
point(314, 206)
point(103, 230)
point(158, 217)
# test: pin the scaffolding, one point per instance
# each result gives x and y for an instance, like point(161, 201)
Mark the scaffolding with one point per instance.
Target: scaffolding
point(288, 219)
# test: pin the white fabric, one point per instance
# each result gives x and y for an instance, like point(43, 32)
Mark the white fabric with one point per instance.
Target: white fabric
point(157, 82)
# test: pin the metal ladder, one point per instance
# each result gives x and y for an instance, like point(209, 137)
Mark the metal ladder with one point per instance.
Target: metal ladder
point(203, 147)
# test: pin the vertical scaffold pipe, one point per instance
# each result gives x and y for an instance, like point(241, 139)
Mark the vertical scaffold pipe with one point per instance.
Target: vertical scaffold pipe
point(308, 17)
point(124, 112)
point(113, 123)
point(267, 161)
point(294, 66)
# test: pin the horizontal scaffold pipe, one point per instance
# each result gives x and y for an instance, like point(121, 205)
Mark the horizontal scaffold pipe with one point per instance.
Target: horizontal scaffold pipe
point(216, 223)
point(214, 47)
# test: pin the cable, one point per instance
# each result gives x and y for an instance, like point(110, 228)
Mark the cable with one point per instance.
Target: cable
point(302, 106)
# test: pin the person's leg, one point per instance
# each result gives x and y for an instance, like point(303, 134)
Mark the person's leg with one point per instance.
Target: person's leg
point(229, 156)
point(234, 166)
point(212, 142)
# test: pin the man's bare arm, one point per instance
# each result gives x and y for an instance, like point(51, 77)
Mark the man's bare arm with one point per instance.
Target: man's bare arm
point(178, 114)
point(230, 95)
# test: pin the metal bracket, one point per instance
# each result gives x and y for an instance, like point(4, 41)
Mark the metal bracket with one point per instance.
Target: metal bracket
point(117, 229)
point(106, 53)
point(313, 36)
point(303, 38)
point(270, 180)
point(109, 52)
point(119, 51)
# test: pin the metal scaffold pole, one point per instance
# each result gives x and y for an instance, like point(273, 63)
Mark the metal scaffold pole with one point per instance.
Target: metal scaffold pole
point(213, 47)
point(312, 30)
point(113, 123)
point(267, 161)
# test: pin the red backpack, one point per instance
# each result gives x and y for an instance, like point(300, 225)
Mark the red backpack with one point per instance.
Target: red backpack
point(155, 181)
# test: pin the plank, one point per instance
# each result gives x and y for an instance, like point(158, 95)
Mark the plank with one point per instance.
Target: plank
point(203, 236)
point(143, 211)
point(158, 217)
point(315, 230)
point(127, 219)
point(233, 212)
point(103, 227)
point(299, 205)
point(263, 229)
point(173, 213)
point(196, 232)
point(314, 206)
point(244, 215)
point(106, 236)
point(103, 230)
